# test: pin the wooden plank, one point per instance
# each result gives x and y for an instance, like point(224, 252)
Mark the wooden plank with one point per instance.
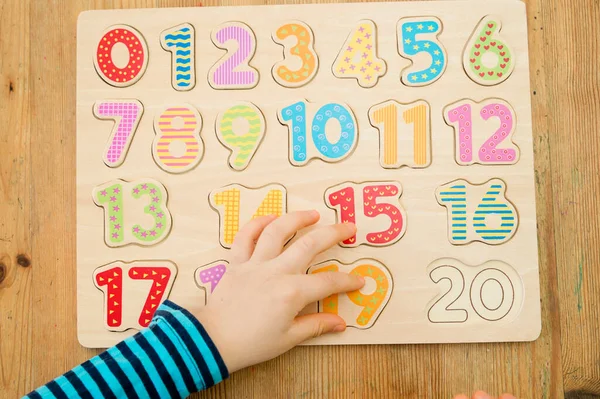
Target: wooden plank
point(54, 346)
point(16, 262)
point(575, 144)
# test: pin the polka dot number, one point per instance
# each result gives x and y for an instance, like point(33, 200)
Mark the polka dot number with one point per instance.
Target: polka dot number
point(106, 66)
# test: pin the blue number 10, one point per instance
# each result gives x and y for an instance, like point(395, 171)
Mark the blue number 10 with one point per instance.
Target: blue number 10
point(300, 153)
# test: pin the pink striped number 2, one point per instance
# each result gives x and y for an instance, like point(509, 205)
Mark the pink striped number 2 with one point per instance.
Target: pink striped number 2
point(487, 126)
point(126, 114)
point(233, 71)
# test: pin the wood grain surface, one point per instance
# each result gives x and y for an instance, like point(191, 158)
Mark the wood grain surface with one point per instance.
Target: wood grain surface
point(37, 228)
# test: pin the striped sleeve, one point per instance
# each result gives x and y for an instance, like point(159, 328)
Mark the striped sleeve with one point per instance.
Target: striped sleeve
point(172, 358)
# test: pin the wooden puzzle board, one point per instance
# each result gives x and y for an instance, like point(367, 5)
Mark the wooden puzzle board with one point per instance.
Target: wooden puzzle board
point(430, 281)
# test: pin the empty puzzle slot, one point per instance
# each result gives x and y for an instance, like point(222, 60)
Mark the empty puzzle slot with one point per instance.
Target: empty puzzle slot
point(489, 292)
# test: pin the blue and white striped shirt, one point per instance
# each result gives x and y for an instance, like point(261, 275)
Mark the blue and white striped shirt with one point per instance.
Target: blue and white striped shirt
point(172, 358)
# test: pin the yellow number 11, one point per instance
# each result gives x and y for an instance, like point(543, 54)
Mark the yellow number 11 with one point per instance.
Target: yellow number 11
point(395, 149)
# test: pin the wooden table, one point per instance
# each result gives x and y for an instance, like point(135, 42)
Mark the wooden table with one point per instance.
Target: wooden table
point(37, 227)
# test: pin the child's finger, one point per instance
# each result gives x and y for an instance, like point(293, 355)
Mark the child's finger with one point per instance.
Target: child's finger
point(245, 239)
point(297, 257)
point(314, 325)
point(481, 395)
point(315, 287)
point(274, 236)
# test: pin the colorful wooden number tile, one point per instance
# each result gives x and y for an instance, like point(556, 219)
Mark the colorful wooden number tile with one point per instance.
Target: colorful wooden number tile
point(478, 212)
point(487, 59)
point(489, 292)
point(234, 71)
point(359, 308)
point(133, 291)
point(209, 276)
point(418, 41)
point(333, 131)
point(180, 42)
point(358, 56)
point(126, 115)
point(237, 205)
point(300, 61)
point(380, 218)
point(134, 212)
point(492, 138)
point(405, 133)
point(121, 56)
point(241, 129)
point(178, 147)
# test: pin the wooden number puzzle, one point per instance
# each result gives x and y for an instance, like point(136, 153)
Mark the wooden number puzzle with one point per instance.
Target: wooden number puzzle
point(411, 120)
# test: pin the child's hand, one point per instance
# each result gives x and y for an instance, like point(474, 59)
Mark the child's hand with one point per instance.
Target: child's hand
point(252, 315)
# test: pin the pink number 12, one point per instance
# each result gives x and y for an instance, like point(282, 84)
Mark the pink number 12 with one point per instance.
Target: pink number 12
point(496, 149)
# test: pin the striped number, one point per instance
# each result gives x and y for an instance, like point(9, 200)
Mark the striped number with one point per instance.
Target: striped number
point(359, 308)
point(302, 53)
point(123, 308)
point(492, 291)
point(478, 212)
point(301, 150)
point(177, 147)
point(425, 69)
point(496, 148)
point(120, 198)
point(126, 114)
point(121, 69)
point(241, 129)
point(236, 203)
point(377, 199)
point(179, 41)
point(233, 71)
point(407, 143)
